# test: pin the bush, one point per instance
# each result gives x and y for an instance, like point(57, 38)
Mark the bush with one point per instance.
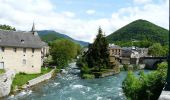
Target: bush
point(125, 66)
point(85, 70)
point(145, 87)
point(135, 67)
point(88, 76)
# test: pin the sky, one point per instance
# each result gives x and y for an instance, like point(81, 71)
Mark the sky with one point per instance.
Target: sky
point(80, 19)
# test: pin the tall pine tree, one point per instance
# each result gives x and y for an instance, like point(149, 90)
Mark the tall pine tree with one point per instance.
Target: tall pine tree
point(98, 54)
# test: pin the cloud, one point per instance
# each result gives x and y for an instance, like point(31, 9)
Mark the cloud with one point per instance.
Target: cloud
point(142, 1)
point(90, 12)
point(69, 14)
point(44, 14)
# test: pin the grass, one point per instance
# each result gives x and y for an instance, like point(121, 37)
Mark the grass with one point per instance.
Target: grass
point(2, 71)
point(22, 78)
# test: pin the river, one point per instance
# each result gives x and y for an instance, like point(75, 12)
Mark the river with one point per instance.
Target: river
point(71, 87)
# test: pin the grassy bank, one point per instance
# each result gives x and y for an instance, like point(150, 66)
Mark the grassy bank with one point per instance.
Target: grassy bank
point(2, 71)
point(22, 78)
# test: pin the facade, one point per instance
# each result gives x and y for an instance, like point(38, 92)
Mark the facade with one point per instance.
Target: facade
point(126, 55)
point(115, 50)
point(20, 51)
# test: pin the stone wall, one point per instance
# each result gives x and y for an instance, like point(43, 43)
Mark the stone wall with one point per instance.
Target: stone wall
point(39, 79)
point(165, 95)
point(6, 82)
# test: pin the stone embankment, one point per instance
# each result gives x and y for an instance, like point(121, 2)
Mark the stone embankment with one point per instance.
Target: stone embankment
point(6, 82)
point(165, 95)
point(40, 79)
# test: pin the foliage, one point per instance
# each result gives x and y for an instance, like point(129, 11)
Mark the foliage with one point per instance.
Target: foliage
point(125, 66)
point(158, 50)
point(63, 51)
point(85, 70)
point(22, 78)
point(97, 54)
point(145, 86)
point(88, 76)
point(144, 32)
point(7, 27)
point(49, 36)
point(142, 43)
point(2, 71)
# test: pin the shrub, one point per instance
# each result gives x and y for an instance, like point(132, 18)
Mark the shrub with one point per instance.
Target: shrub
point(85, 70)
point(88, 76)
point(125, 66)
point(145, 87)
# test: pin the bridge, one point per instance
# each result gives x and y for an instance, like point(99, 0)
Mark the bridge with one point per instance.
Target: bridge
point(152, 62)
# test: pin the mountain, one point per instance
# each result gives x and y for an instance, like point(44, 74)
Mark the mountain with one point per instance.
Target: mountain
point(50, 35)
point(140, 30)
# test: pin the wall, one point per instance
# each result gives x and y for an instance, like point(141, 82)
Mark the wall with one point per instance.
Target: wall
point(40, 79)
point(14, 60)
point(6, 82)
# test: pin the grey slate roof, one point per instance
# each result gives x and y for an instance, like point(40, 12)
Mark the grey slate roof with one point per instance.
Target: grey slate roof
point(13, 39)
point(115, 47)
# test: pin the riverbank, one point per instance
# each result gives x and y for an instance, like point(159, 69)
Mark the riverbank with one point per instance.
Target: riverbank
point(21, 79)
point(71, 86)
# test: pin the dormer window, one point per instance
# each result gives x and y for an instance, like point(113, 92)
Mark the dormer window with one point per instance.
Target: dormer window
point(22, 41)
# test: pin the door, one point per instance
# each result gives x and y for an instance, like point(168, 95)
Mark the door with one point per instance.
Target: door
point(1, 65)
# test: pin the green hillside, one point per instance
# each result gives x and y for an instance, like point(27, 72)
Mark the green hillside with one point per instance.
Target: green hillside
point(50, 35)
point(143, 32)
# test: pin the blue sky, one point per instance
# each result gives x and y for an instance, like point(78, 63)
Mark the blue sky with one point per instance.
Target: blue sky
point(80, 19)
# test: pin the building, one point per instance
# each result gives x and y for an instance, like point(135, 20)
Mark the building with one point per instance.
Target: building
point(115, 50)
point(21, 51)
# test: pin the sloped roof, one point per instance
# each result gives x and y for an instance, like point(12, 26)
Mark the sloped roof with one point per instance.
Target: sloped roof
point(20, 39)
point(115, 47)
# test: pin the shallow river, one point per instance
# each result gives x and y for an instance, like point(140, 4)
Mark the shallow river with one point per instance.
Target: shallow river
point(70, 87)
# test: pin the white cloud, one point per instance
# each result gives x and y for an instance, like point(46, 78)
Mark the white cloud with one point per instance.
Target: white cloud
point(142, 1)
point(42, 12)
point(69, 14)
point(90, 12)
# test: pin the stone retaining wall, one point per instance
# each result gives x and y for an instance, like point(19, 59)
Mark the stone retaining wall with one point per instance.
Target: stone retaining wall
point(165, 95)
point(40, 79)
point(6, 82)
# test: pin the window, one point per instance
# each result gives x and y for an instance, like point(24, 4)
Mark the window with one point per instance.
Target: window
point(15, 49)
point(24, 61)
point(22, 41)
point(2, 49)
point(24, 50)
point(33, 50)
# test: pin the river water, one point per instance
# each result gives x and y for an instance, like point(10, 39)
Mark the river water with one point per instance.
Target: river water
point(71, 87)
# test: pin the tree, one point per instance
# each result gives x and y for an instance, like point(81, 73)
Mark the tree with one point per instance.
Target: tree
point(7, 27)
point(98, 55)
point(145, 86)
point(157, 50)
point(62, 51)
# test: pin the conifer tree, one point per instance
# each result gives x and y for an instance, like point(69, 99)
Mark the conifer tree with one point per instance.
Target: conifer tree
point(98, 55)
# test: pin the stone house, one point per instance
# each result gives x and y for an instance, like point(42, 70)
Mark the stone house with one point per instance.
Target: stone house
point(21, 51)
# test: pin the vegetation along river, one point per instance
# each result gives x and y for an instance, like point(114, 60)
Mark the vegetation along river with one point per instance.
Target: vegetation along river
point(71, 87)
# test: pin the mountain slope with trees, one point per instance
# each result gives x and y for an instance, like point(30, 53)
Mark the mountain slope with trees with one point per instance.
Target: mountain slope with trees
point(143, 32)
point(50, 35)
